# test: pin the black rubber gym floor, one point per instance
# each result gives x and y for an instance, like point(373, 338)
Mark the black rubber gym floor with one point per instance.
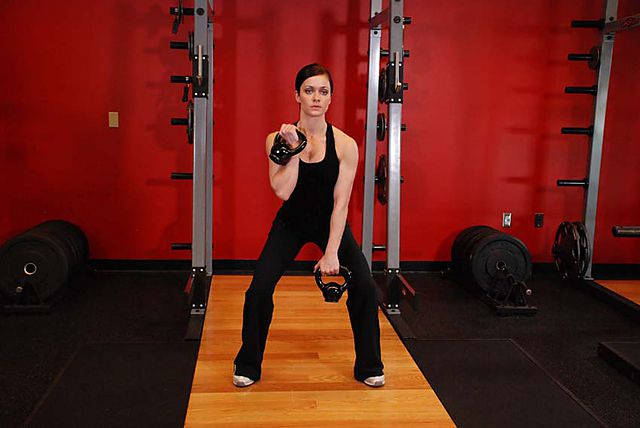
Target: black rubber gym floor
point(112, 353)
point(544, 372)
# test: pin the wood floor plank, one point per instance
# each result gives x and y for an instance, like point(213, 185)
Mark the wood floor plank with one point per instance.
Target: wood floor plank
point(629, 289)
point(307, 377)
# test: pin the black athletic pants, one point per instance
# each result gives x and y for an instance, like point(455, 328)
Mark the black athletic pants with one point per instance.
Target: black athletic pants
point(281, 248)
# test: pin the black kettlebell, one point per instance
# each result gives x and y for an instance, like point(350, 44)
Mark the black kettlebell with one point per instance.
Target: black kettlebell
point(281, 153)
point(333, 291)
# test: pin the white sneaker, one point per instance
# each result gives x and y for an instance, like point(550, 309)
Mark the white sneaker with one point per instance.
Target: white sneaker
point(241, 381)
point(375, 381)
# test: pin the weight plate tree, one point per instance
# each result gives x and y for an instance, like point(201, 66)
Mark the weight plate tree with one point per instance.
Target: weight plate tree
point(599, 59)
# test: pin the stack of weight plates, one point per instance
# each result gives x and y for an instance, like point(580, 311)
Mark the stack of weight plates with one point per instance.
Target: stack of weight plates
point(42, 258)
point(481, 255)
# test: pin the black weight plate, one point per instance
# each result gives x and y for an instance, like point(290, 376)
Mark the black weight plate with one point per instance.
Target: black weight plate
point(570, 252)
point(584, 248)
point(594, 63)
point(81, 243)
point(37, 254)
point(468, 245)
point(190, 122)
point(381, 127)
point(499, 249)
point(382, 185)
point(59, 232)
point(457, 247)
point(382, 86)
point(566, 251)
point(55, 241)
point(79, 237)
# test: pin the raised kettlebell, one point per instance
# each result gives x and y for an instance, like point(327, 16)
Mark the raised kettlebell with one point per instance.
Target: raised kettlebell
point(281, 153)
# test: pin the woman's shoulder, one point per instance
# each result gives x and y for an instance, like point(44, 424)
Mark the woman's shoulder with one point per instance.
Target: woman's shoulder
point(344, 143)
point(271, 138)
point(341, 137)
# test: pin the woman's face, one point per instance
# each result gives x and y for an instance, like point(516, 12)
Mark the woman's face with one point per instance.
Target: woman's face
point(315, 95)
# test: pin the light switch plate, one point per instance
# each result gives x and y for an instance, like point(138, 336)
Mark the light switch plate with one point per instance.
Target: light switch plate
point(114, 119)
point(506, 219)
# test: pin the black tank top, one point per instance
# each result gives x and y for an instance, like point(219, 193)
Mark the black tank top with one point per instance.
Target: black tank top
point(310, 205)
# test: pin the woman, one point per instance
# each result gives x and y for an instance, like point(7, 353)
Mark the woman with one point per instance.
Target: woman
point(315, 186)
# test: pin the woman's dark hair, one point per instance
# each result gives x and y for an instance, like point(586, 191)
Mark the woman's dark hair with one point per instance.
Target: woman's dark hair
point(311, 70)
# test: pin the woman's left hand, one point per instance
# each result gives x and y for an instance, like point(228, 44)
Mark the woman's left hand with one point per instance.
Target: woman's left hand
point(328, 265)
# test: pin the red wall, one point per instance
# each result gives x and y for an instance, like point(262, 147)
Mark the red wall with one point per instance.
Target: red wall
point(484, 111)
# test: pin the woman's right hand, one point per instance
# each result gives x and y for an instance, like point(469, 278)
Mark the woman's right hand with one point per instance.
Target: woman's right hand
point(288, 132)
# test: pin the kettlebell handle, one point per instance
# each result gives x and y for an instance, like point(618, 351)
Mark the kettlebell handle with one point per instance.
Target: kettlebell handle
point(281, 153)
point(302, 142)
point(333, 291)
point(344, 272)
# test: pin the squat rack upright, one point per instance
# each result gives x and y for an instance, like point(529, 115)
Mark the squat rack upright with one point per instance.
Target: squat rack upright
point(387, 86)
point(200, 134)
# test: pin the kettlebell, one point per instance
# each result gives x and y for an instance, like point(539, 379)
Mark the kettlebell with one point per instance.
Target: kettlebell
point(332, 291)
point(281, 153)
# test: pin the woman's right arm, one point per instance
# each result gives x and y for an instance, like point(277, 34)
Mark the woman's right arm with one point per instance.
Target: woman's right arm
point(283, 178)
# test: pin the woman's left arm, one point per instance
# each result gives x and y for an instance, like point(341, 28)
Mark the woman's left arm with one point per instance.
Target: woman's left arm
point(329, 264)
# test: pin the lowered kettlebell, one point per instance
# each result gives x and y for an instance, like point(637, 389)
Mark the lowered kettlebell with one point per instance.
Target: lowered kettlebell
point(281, 153)
point(332, 291)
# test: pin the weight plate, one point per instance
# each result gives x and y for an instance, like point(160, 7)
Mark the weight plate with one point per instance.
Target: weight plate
point(381, 127)
point(382, 86)
point(584, 248)
point(71, 233)
point(566, 251)
point(191, 46)
point(381, 180)
point(594, 63)
point(494, 252)
point(467, 249)
point(190, 122)
point(457, 247)
point(36, 258)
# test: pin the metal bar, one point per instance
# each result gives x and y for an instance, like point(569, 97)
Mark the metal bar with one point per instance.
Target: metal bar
point(375, 35)
point(588, 90)
point(182, 176)
point(393, 199)
point(626, 231)
point(209, 153)
point(378, 18)
point(574, 183)
point(394, 150)
point(600, 109)
point(577, 131)
point(599, 23)
point(186, 11)
point(622, 24)
point(181, 246)
point(199, 228)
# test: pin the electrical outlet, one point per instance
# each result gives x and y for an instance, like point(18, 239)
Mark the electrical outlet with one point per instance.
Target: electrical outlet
point(538, 219)
point(506, 219)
